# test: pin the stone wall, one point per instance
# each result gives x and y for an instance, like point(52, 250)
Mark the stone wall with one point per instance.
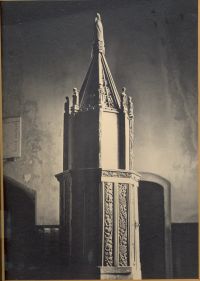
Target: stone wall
point(151, 48)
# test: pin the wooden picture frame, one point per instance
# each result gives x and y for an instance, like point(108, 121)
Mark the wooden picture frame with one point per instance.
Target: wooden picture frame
point(47, 46)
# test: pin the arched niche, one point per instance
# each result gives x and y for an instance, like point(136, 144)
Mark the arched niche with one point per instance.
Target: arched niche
point(155, 203)
point(19, 227)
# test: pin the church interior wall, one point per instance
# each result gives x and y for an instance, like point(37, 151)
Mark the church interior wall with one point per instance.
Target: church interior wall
point(151, 47)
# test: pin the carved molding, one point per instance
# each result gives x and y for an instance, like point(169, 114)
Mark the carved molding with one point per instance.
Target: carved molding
point(108, 224)
point(123, 225)
point(120, 174)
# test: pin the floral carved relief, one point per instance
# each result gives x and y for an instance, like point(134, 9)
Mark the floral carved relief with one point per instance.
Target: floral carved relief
point(118, 174)
point(123, 224)
point(108, 224)
point(121, 174)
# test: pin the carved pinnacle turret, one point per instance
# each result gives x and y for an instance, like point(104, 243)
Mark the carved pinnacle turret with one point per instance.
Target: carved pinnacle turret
point(75, 100)
point(124, 99)
point(131, 108)
point(67, 105)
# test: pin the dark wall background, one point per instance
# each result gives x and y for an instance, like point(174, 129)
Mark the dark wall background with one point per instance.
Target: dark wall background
point(152, 230)
point(151, 48)
point(20, 232)
point(185, 239)
point(45, 260)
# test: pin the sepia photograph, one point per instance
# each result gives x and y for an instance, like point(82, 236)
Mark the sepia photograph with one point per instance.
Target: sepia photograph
point(100, 139)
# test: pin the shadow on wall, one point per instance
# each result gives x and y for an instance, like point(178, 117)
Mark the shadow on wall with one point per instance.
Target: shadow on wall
point(19, 220)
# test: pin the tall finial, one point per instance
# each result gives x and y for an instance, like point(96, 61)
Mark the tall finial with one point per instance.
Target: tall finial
point(98, 35)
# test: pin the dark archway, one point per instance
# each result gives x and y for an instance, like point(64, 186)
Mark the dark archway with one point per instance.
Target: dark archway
point(155, 226)
point(19, 228)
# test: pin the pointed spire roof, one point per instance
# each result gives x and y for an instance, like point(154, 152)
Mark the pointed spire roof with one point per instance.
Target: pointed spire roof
point(98, 89)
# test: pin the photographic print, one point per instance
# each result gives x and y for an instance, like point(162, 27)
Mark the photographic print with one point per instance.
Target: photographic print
point(100, 139)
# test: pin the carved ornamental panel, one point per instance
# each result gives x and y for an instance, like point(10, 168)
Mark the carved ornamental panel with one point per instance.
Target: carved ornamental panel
point(123, 225)
point(108, 225)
